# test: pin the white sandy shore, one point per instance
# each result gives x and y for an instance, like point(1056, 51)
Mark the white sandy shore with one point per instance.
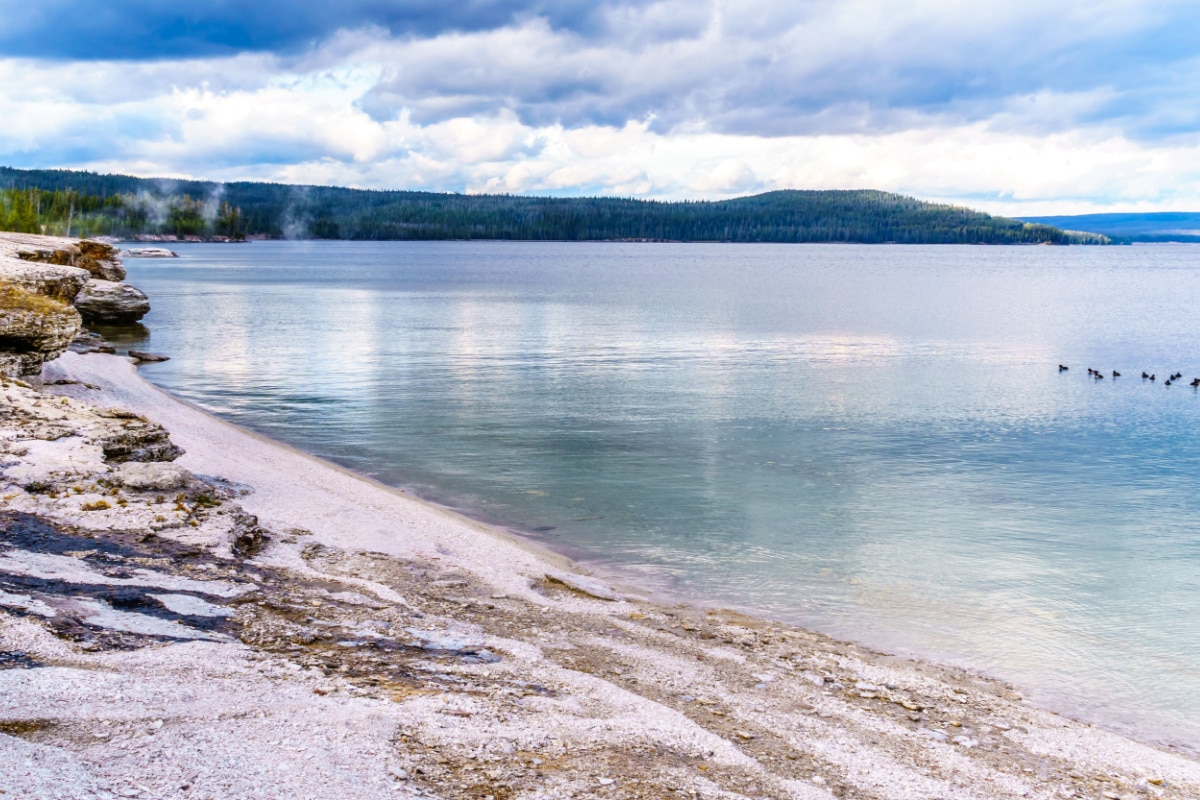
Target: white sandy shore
point(587, 698)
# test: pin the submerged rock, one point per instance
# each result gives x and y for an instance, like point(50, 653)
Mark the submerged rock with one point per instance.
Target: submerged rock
point(150, 252)
point(141, 355)
point(584, 585)
point(106, 301)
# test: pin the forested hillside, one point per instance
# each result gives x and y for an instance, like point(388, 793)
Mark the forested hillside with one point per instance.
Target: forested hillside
point(89, 204)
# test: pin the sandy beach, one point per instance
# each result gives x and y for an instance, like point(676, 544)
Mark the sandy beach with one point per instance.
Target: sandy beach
point(249, 621)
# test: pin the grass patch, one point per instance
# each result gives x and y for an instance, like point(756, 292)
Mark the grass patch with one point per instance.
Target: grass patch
point(14, 298)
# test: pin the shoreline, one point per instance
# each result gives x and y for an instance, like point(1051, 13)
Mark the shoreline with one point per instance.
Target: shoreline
point(396, 650)
point(626, 583)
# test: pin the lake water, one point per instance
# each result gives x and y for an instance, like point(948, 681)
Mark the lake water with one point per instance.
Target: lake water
point(874, 441)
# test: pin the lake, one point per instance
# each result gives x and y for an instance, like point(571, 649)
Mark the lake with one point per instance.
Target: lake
point(872, 441)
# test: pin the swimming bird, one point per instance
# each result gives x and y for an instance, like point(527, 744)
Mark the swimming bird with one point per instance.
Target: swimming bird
point(1061, 368)
point(1151, 377)
point(1145, 375)
point(1116, 374)
point(1168, 383)
point(1195, 382)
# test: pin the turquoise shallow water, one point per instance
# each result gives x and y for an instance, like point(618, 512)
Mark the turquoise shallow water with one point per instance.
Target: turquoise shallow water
point(871, 441)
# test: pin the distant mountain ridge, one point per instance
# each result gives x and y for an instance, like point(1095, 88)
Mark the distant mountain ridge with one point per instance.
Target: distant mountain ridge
point(1164, 226)
point(122, 205)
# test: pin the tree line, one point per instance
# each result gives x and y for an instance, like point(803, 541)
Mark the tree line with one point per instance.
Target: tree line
point(124, 206)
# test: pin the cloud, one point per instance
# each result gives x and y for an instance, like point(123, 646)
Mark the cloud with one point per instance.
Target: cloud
point(766, 68)
point(1001, 105)
point(151, 29)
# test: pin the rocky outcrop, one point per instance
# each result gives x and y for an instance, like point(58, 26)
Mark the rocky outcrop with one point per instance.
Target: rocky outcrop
point(40, 277)
point(152, 476)
point(135, 438)
point(109, 302)
point(100, 260)
point(56, 282)
point(33, 330)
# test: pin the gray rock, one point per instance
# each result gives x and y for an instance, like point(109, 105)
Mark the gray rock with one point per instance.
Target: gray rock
point(106, 301)
point(584, 585)
point(152, 475)
point(150, 252)
point(137, 439)
point(248, 537)
point(142, 355)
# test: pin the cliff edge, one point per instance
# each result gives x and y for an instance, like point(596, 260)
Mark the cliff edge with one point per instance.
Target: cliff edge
point(49, 287)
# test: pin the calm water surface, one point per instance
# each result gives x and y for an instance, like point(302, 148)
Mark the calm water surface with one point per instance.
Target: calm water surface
point(872, 441)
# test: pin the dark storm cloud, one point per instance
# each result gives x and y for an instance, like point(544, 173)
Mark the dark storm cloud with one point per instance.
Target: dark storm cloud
point(152, 29)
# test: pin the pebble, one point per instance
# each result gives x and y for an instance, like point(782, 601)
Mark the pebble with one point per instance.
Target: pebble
point(1112, 796)
point(1154, 781)
point(607, 781)
point(745, 735)
point(398, 773)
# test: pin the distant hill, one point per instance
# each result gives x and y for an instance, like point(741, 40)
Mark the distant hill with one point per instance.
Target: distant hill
point(1167, 226)
point(121, 205)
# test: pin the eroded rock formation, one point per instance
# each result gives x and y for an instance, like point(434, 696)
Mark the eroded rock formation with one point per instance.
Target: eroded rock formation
point(100, 260)
point(40, 278)
point(111, 302)
point(33, 330)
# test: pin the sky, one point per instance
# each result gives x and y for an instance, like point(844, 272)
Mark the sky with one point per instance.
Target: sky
point(1020, 107)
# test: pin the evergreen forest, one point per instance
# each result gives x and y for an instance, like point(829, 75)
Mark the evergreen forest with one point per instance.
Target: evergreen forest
point(65, 202)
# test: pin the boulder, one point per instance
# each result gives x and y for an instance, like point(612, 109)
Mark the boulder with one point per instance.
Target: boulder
point(152, 476)
point(33, 330)
point(109, 302)
point(135, 438)
point(150, 252)
point(142, 355)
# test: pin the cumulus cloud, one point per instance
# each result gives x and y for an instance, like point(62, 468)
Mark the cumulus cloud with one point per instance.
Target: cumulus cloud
point(1041, 106)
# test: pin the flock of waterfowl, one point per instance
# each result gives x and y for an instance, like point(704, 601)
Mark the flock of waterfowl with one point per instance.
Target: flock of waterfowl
point(1146, 376)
